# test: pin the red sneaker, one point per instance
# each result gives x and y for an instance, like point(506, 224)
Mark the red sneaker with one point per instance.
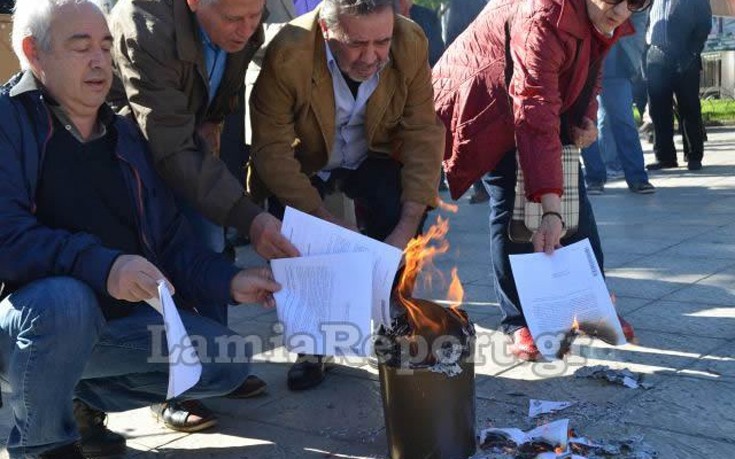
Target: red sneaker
point(522, 345)
point(628, 330)
point(624, 324)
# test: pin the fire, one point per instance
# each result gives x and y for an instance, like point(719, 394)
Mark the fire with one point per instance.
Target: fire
point(447, 207)
point(427, 318)
point(575, 325)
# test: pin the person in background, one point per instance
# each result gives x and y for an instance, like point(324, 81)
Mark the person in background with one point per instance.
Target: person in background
point(89, 231)
point(618, 136)
point(498, 91)
point(429, 22)
point(676, 36)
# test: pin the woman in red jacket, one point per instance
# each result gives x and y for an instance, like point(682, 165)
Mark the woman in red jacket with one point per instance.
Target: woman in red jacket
point(523, 77)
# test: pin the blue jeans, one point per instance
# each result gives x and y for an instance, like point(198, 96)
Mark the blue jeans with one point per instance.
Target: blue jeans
point(56, 346)
point(618, 135)
point(213, 237)
point(501, 184)
point(595, 171)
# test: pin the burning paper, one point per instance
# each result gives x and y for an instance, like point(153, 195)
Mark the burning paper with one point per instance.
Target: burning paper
point(560, 290)
point(554, 434)
point(439, 337)
point(538, 407)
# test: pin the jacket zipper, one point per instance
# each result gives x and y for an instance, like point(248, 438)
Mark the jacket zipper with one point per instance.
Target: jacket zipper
point(139, 202)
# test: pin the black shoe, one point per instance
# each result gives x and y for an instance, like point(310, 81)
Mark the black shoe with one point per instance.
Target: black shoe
point(308, 371)
point(694, 165)
point(252, 387)
point(97, 440)
point(71, 451)
point(657, 166)
point(184, 416)
point(595, 188)
point(644, 187)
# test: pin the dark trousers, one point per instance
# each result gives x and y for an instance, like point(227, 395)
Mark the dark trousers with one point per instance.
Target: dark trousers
point(501, 186)
point(375, 187)
point(665, 81)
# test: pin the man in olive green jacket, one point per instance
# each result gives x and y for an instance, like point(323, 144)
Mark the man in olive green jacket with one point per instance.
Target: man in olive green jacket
point(344, 102)
point(168, 56)
point(181, 65)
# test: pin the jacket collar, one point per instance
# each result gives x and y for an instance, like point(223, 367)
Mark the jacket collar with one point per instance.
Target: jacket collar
point(575, 20)
point(28, 83)
point(188, 44)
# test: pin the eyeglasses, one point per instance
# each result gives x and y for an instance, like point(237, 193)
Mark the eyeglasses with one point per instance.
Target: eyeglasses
point(633, 5)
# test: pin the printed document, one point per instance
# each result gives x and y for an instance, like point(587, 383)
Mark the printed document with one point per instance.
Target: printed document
point(325, 303)
point(314, 236)
point(555, 290)
point(185, 369)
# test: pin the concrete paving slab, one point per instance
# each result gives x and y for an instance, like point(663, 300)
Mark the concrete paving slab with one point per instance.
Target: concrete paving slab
point(717, 289)
point(689, 319)
point(239, 438)
point(668, 444)
point(332, 410)
point(655, 276)
point(718, 365)
point(688, 405)
point(656, 353)
point(617, 245)
point(141, 429)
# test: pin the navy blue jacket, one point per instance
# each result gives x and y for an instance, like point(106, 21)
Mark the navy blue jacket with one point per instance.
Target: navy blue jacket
point(31, 251)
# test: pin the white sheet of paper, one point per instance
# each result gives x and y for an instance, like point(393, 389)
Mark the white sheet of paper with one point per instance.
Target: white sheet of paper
point(325, 302)
point(538, 407)
point(185, 369)
point(557, 289)
point(314, 236)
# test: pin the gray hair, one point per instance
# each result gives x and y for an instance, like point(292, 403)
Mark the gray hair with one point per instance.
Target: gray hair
point(332, 9)
point(32, 18)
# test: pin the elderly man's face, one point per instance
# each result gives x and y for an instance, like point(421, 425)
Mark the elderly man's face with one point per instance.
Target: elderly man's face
point(361, 44)
point(605, 16)
point(77, 70)
point(229, 23)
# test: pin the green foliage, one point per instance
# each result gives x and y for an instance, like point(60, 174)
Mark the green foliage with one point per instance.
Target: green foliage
point(433, 4)
point(718, 110)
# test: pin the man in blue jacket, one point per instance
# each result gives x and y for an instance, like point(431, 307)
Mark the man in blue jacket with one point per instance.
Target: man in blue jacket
point(88, 230)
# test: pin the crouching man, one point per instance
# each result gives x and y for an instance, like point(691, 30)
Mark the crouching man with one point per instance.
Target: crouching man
point(88, 229)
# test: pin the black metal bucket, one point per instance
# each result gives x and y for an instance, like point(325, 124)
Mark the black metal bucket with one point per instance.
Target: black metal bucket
point(429, 414)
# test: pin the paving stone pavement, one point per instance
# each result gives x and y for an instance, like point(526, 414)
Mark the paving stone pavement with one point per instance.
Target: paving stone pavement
point(670, 257)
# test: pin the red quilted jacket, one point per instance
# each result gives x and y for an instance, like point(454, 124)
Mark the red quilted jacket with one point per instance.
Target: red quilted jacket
point(553, 46)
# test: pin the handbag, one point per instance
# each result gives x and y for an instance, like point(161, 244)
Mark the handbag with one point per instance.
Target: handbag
point(526, 217)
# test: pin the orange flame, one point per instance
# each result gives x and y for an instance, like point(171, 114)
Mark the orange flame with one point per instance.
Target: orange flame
point(447, 207)
point(419, 256)
point(575, 325)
